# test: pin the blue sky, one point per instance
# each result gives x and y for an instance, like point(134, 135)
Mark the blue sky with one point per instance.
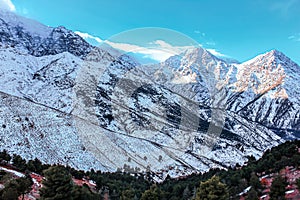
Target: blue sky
point(240, 29)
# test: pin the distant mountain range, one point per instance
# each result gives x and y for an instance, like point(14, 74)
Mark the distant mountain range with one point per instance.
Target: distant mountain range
point(188, 114)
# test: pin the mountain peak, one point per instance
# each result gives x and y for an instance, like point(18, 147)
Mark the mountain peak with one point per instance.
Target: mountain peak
point(198, 55)
point(28, 25)
point(137, 111)
point(272, 58)
point(34, 38)
point(275, 54)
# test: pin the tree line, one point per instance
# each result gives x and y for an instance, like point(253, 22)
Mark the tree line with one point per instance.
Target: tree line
point(214, 184)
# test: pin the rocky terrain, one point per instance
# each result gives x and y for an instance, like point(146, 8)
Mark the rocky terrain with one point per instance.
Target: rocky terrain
point(65, 101)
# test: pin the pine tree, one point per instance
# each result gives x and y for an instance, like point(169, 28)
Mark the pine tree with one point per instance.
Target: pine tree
point(19, 162)
point(254, 181)
point(58, 184)
point(9, 194)
point(252, 195)
point(298, 184)
point(4, 156)
point(152, 194)
point(212, 189)
point(24, 185)
point(127, 194)
point(83, 193)
point(277, 190)
point(35, 166)
point(186, 193)
point(17, 187)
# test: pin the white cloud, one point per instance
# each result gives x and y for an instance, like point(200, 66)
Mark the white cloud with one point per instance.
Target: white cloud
point(291, 37)
point(216, 53)
point(7, 5)
point(89, 38)
point(295, 37)
point(156, 54)
point(158, 50)
point(211, 43)
point(159, 53)
point(176, 49)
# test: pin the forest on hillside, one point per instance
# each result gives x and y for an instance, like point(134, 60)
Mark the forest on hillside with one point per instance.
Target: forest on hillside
point(234, 183)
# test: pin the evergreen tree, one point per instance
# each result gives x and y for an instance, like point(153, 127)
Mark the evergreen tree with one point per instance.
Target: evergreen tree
point(152, 194)
point(9, 194)
point(252, 195)
point(58, 184)
point(17, 187)
point(4, 156)
point(254, 181)
point(35, 166)
point(19, 162)
point(24, 185)
point(186, 193)
point(114, 195)
point(127, 194)
point(212, 189)
point(277, 190)
point(298, 184)
point(83, 193)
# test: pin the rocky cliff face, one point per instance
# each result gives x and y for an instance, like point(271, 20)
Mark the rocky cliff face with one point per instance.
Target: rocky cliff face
point(64, 101)
point(267, 93)
point(36, 39)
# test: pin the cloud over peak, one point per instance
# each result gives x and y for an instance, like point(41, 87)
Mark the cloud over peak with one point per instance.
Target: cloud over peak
point(158, 50)
point(90, 38)
point(216, 53)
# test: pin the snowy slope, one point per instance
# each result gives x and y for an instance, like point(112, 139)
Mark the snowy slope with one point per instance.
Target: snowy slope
point(164, 117)
point(267, 92)
point(30, 26)
point(31, 37)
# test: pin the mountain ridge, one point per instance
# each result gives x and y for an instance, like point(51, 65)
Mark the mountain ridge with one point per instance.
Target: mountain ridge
point(190, 88)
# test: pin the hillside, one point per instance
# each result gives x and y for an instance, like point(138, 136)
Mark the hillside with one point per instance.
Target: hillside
point(251, 181)
point(65, 101)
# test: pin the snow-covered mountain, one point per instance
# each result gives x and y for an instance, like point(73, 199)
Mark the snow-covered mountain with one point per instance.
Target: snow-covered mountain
point(31, 37)
point(188, 114)
point(267, 92)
